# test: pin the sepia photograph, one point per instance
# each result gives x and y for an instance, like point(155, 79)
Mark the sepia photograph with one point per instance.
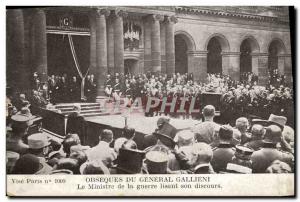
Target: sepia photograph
point(160, 98)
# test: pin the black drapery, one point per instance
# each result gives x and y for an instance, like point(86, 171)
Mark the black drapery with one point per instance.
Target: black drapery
point(60, 59)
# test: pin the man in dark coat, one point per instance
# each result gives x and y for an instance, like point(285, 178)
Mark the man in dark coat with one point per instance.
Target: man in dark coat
point(224, 152)
point(264, 157)
point(76, 124)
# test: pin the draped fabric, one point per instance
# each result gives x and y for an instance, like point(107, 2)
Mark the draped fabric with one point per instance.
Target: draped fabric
point(61, 59)
point(77, 65)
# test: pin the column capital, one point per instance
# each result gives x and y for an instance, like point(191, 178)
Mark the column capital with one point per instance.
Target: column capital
point(169, 19)
point(121, 13)
point(260, 54)
point(228, 54)
point(197, 53)
point(154, 17)
point(102, 11)
point(284, 55)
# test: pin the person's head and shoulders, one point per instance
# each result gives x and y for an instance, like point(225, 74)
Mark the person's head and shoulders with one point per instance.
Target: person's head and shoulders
point(202, 155)
point(257, 133)
point(224, 151)
point(103, 151)
point(204, 131)
point(19, 126)
point(39, 146)
point(76, 111)
point(269, 152)
point(242, 124)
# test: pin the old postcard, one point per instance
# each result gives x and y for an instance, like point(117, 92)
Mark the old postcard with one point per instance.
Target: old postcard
point(150, 101)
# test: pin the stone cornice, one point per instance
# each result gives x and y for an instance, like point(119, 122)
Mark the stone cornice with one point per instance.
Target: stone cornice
point(226, 14)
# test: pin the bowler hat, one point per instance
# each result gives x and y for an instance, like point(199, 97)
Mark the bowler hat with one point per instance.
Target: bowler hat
point(38, 141)
point(273, 134)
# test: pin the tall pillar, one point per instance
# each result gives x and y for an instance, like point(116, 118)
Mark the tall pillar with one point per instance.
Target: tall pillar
point(155, 42)
point(101, 49)
point(93, 40)
point(110, 46)
point(147, 46)
point(41, 45)
point(163, 47)
point(231, 64)
point(170, 44)
point(197, 64)
point(263, 68)
point(15, 48)
point(119, 41)
point(254, 61)
point(288, 69)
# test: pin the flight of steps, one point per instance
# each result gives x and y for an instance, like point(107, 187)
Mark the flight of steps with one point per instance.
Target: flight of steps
point(87, 109)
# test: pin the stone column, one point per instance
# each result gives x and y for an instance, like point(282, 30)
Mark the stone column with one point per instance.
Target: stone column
point(231, 64)
point(93, 40)
point(41, 45)
point(101, 49)
point(15, 48)
point(254, 58)
point(110, 46)
point(287, 67)
point(119, 41)
point(170, 44)
point(197, 64)
point(263, 68)
point(155, 42)
point(147, 46)
point(163, 47)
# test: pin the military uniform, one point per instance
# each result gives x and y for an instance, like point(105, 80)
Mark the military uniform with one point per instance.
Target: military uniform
point(264, 157)
point(221, 156)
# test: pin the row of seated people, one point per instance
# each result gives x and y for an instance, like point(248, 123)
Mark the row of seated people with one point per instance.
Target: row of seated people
point(206, 148)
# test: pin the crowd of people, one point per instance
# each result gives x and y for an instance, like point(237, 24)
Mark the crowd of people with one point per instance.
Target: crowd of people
point(264, 146)
point(65, 88)
point(238, 98)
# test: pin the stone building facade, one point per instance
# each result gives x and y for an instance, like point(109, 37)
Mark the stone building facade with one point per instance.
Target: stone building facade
point(136, 40)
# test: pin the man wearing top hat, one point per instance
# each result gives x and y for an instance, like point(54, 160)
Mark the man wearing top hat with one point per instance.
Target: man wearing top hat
point(264, 157)
point(39, 146)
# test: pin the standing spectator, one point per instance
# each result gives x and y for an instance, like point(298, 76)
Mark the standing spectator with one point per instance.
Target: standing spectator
point(224, 152)
point(204, 132)
point(264, 157)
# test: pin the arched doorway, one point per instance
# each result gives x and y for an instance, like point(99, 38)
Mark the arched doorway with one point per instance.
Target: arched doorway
point(181, 58)
point(131, 66)
point(214, 57)
point(246, 58)
point(276, 47)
